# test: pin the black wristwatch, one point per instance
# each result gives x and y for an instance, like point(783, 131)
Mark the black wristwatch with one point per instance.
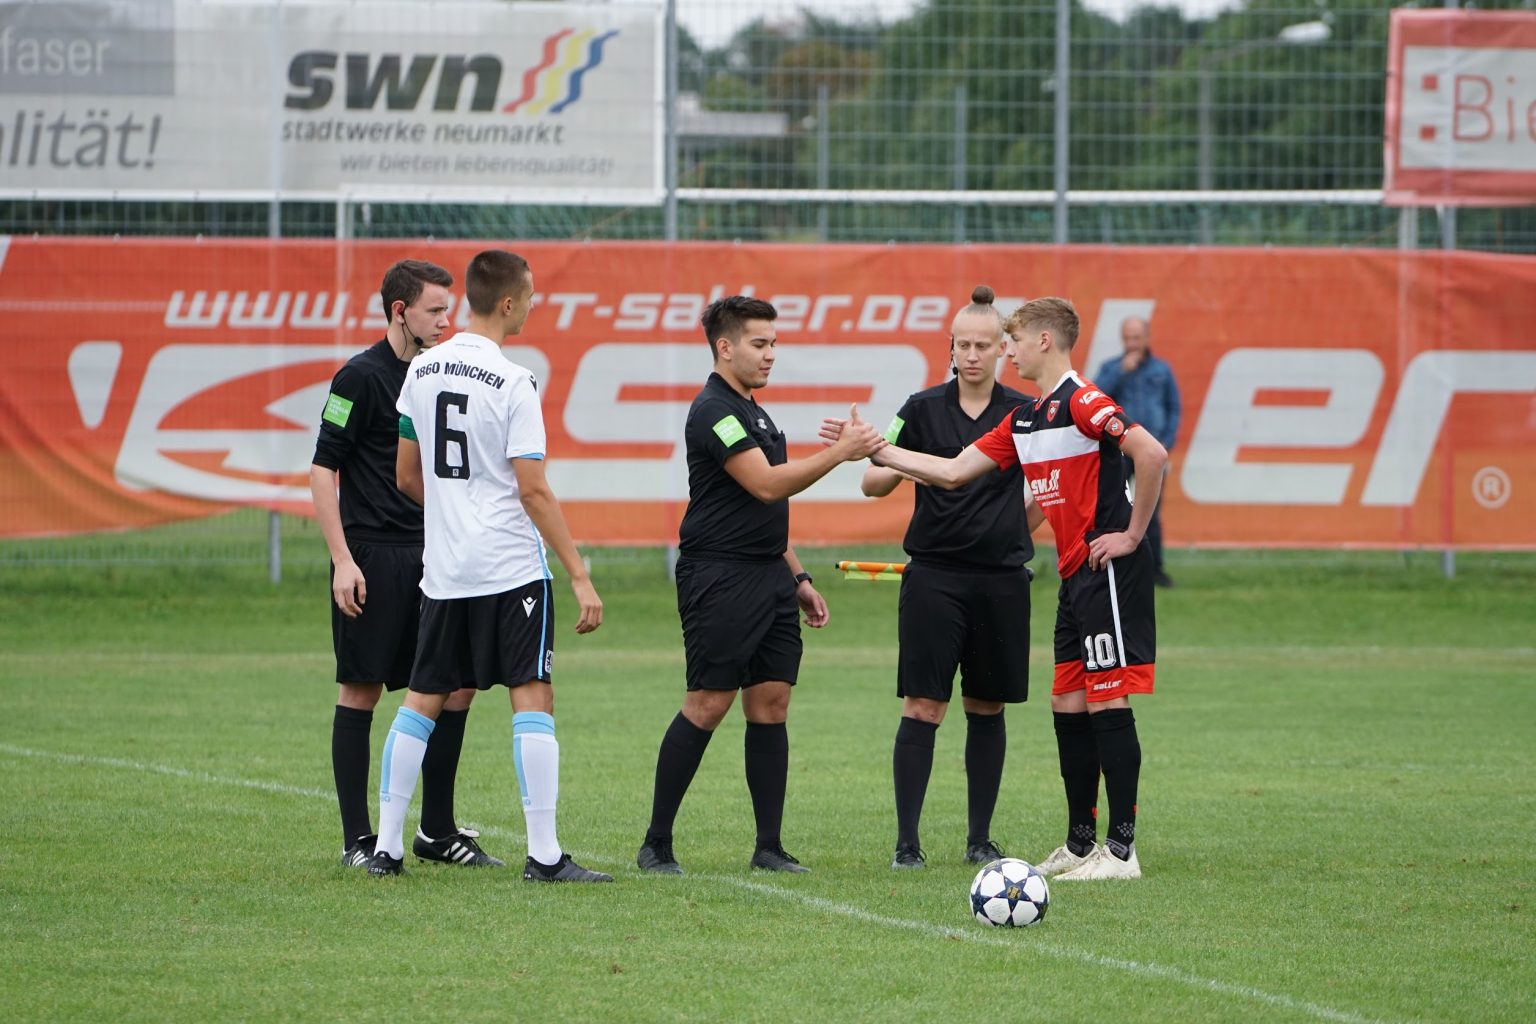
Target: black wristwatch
point(802, 577)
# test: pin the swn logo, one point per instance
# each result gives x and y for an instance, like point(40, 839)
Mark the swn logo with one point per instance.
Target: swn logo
point(549, 86)
point(1050, 487)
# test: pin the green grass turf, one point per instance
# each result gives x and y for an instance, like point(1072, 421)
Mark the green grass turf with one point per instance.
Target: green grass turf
point(1336, 817)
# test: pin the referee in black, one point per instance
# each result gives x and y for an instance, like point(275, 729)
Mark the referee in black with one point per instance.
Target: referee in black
point(374, 534)
point(965, 593)
point(738, 581)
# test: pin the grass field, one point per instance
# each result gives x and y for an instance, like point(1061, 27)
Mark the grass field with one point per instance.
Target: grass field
point(1336, 817)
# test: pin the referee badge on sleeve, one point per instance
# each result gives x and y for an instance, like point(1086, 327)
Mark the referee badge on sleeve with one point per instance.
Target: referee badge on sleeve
point(729, 430)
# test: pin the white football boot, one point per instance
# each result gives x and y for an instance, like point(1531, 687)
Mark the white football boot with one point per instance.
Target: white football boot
point(1063, 859)
point(1101, 864)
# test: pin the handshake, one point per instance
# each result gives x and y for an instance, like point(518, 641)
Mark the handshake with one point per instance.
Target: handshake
point(852, 438)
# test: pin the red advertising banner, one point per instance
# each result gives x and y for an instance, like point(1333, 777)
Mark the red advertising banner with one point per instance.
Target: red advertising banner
point(1330, 397)
point(1461, 108)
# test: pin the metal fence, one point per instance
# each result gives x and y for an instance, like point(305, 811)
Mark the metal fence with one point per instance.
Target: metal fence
point(937, 121)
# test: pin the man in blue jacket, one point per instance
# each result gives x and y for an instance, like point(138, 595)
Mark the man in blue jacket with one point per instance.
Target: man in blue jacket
point(1144, 386)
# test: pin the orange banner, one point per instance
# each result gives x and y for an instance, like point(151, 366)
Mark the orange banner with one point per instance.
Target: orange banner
point(1356, 398)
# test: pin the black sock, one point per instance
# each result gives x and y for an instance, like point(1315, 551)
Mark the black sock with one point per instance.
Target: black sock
point(349, 764)
point(682, 748)
point(1120, 756)
point(986, 744)
point(439, 773)
point(767, 748)
point(911, 764)
point(1078, 751)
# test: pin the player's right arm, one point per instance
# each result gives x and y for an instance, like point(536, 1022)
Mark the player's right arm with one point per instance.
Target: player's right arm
point(933, 470)
point(348, 587)
point(346, 409)
point(767, 483)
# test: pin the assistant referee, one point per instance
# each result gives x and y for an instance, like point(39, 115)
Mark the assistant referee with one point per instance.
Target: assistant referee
point(965, 594)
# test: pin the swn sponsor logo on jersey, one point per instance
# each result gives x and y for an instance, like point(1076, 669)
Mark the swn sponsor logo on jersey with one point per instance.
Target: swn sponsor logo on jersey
point(1048, 490)
point(440, 81)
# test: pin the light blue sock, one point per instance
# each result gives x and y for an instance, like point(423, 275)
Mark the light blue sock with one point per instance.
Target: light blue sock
point(403, 751)
point(536, 756)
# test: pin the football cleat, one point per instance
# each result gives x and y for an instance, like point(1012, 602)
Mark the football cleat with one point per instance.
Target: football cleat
point(459, 848)
point(908, 855)
point(1063, 859)
point(984, 852)
point(382, 864)
point(1102, 864)
point(563, 870)
point(773, 858)
point(656, 857)
point(358, 851)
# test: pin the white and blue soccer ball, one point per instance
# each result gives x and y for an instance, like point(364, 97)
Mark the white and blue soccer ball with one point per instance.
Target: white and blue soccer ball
point(1009, 893)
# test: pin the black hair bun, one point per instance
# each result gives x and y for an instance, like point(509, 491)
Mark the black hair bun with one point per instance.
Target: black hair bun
point(983, 295)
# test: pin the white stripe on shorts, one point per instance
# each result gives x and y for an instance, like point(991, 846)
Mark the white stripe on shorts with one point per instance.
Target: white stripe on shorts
point(1114, 609)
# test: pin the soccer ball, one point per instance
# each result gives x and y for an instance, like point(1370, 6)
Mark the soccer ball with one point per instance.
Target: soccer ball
point(1010, 894)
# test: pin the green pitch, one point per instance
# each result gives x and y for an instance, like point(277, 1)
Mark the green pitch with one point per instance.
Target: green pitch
point(1336, 818)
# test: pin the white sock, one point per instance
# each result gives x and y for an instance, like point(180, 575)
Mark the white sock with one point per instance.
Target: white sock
point(536, 756)
point(403, 751)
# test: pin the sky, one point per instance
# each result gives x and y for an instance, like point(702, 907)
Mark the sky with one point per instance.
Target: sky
point(712, 22)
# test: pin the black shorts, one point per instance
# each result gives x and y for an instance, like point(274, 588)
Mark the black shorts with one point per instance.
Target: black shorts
point(505, 639)
point(380, 644)
point(1106, 628)
point(977, 622)
point(741, 623)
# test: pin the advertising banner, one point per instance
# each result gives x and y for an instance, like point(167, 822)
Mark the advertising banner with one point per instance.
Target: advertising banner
point(1330, 398)
point(1461, 108)
point(452, 101)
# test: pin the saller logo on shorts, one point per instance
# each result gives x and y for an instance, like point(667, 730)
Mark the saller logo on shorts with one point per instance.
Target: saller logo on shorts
point(729, 431)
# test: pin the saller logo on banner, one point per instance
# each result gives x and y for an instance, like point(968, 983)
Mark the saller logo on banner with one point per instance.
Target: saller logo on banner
point(447, 101)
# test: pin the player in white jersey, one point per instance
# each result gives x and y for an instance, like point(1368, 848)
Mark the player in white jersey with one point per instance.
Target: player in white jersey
point(472, 452)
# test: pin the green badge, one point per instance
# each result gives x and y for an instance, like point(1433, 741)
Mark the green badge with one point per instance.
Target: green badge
point(893, 431)
point(407, 428)
point(337, 410)
point(729, 431)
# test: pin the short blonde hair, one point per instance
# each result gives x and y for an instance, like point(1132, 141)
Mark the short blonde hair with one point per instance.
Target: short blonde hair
point(1052, 314)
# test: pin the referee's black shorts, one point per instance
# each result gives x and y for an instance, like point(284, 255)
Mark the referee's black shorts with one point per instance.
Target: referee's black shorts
point(505, 639)
point(379, 645)
point(741, 624)
point(976, 622)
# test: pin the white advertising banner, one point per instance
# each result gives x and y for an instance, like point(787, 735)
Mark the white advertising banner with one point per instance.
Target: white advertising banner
point(463, 101)
point(1461, 108)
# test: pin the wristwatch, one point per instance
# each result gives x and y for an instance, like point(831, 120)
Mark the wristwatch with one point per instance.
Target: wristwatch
point(802, 577)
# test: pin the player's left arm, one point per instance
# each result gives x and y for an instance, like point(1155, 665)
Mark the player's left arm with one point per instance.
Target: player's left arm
point(1034, 515)
point(810, 600)
point(543, 508)
point(1149, 457)
point(408, 464)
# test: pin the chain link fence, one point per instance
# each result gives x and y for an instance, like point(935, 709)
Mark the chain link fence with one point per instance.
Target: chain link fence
point(933, 122)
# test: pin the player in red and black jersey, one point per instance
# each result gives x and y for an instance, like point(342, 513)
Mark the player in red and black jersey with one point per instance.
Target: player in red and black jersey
point(1069, 443)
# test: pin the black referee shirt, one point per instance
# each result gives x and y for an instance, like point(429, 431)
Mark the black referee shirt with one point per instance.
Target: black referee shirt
point(723, 520)
point(359, 436)
point(980, 525)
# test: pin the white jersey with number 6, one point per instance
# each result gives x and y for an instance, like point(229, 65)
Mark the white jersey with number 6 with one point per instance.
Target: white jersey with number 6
point(472, 410)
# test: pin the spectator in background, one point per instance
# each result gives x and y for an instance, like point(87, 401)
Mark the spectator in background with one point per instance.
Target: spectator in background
point(1145, 388)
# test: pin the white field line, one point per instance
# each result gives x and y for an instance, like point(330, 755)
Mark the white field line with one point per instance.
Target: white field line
point(1054, 949)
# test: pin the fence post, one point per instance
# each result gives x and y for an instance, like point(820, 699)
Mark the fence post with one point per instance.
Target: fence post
point(1063, 115)
point(958, 182)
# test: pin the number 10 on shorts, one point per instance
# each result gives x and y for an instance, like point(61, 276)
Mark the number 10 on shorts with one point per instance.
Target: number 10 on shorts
point(1099, 652)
